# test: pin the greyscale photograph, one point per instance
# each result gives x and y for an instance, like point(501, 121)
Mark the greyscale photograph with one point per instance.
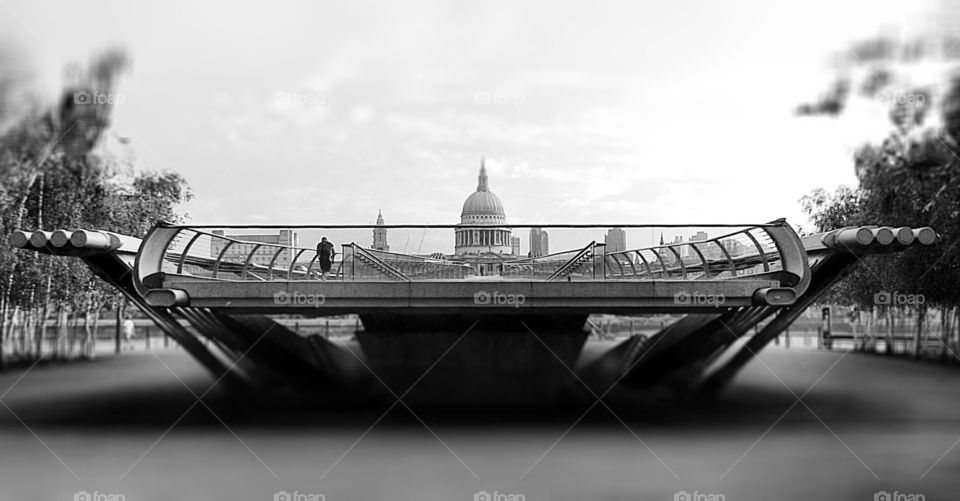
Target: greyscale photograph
point(479, 251)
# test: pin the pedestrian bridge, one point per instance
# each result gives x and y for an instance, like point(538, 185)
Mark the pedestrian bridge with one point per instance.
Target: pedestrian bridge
point(497, 327)
point(763, 264)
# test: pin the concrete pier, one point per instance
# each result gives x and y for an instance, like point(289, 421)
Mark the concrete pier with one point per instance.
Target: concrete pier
point(463, 361)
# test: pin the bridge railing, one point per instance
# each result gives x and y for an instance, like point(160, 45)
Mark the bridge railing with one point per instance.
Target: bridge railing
point(211, 254)
point(361, 264)
point(745, 252)
point(576, 264)
point(268, 253)
point(748, 251)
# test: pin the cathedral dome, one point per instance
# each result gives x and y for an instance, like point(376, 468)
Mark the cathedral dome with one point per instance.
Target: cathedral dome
point(480, 234)
point(483, 205)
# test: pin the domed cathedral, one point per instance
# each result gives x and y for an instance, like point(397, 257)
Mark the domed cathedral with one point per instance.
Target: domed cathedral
point(480, 237)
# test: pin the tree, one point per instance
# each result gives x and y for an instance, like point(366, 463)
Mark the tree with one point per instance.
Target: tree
point(910, 178)
point(50, 178)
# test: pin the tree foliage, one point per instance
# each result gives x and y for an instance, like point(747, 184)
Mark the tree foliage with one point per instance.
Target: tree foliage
point(910, 178)
point(52, 177)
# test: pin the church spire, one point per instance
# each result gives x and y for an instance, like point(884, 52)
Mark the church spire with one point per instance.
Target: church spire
point(380, 234)
point(483, 185)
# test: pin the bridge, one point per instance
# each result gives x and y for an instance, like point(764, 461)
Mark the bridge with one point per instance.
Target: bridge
point(488, 328)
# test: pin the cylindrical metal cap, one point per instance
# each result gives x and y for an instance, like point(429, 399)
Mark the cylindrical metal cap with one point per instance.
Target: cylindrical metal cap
point(19, 239)
point(39, 238)
point(925, 235)
point(904, 235)
point(883, 235)
point(59, 238)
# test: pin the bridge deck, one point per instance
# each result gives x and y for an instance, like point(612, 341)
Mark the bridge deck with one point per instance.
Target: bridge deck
point(748, 266)
point(480, 297)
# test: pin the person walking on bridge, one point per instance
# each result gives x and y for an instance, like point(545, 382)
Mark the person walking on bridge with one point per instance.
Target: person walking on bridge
point(325, 254)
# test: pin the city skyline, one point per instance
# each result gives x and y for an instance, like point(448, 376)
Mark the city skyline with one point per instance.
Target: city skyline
point(538, 239)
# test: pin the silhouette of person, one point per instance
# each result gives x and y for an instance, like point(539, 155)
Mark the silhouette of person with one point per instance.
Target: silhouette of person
point(325, 254)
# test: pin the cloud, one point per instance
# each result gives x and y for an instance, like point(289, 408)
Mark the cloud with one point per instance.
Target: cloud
point(623, 110)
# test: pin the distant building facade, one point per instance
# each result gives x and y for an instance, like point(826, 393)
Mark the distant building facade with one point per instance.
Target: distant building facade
point(733, 246)
point(263, 255)
point(539, 242)
point(515, 246)
point(709, 250)
point(683, 250)
point(616, 240)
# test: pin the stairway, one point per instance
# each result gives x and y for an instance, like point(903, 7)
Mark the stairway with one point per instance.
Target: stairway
point(583, 257)
point(376, 263)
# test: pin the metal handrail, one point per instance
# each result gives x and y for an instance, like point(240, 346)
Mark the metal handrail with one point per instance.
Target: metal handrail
point(218, 262)
point(766, 249)
point(274, 260)
point(293, 262)
point(572, 262)
point(386, 268)
point(763, 256)
point(730, 263)
point(703, 260)
point(246, 264)
point(408, 257)
point(186, 251)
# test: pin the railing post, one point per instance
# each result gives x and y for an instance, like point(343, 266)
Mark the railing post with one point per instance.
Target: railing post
point(186, 250)
point(246, 264)
point(348, 253)
point(293, 263)
point(756, 243)
point(223, 252)
point(663, 264)
point(593, 257)
point(646, 264)
point(603, 260)
point(683, 268)
point(703, 260)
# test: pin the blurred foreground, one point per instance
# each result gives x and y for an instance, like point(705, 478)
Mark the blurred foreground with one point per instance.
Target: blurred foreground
point(128, 425)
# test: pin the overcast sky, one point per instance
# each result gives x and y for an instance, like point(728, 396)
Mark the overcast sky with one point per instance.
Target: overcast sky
point(596, 112)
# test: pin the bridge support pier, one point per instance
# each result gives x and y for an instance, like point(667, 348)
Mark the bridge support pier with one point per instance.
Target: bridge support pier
point(824, 275)
point(474, 361)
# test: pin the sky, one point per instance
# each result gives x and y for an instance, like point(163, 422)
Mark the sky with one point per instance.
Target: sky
point(607, 112)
